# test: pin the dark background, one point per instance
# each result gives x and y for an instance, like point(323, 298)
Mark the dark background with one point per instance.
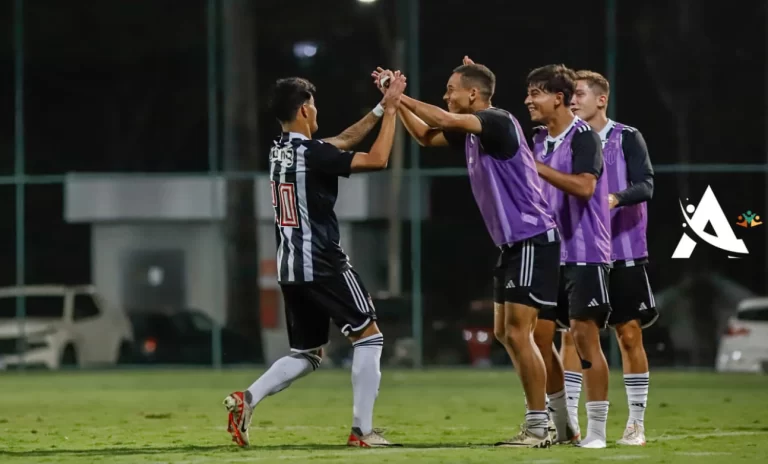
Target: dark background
point(121, 86)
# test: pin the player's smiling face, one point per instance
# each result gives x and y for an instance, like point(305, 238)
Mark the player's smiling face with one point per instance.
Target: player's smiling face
point(584, 103)
point(541, 104)
point(457, 97)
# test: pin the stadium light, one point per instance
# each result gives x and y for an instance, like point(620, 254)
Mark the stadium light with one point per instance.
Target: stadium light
point(305, 50)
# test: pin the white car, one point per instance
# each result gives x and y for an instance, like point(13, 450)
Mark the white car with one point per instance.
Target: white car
point(63, 326)
point(744, 346)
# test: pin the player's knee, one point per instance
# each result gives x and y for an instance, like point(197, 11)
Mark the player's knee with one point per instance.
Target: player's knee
point(517, 338)
point(501, 334)
point(370, 330)
point(585, 334)
point(630, 336)
point(315, 357)
point(567, 340)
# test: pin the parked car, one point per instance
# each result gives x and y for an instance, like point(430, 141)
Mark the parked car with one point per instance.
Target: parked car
point(184, 337)
point(744, 345)
point(63, 326)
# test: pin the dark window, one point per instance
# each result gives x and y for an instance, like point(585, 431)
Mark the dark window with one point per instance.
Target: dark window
point(85, 307)
point(757, 315)
point(38, 306)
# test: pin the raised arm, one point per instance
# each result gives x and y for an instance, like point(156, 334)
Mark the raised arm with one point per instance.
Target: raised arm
point(433, 117)
point(587, 167)
point(327, 158)
point(355, 133)
point(437, 117)
point(426, 136)
point(639, 171)
point(378, 157)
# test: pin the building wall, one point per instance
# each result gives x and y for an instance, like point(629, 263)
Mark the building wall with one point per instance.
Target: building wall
point(130, 213)
point(203, 255)
point(204, 270)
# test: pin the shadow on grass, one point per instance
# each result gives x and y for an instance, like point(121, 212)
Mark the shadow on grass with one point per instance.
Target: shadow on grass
point(191, 449)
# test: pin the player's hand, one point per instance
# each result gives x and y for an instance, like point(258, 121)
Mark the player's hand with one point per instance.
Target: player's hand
point(467, 60)
point(612, 201)
point(378, 74)
point(395, 90)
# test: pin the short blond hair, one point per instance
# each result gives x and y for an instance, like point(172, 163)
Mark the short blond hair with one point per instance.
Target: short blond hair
point(596, 81)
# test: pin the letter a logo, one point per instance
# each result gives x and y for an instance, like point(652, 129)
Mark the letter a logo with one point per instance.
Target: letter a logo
point(708, 211)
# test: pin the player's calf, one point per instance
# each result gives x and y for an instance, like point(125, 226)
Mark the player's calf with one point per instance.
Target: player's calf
point(543, 336)
point(630, 338)
point(573, 381)
point(636, 380)
point(366, 377)
point(586, 335)
point(519, 322)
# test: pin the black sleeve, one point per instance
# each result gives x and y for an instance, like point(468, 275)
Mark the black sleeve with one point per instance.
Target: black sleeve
point(324, 157)
point(639, 170)
point(587, 153)
point(455, 139)
point(499, 134)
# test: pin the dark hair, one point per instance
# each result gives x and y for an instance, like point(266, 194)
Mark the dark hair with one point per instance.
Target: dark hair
point(596, 81)
point(554, 78)
point(479, 76)
point(288, 96)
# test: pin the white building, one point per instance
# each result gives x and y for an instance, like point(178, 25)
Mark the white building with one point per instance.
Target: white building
point(158, 241)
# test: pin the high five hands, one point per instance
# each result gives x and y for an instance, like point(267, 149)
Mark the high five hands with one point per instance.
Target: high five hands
point(383, 76)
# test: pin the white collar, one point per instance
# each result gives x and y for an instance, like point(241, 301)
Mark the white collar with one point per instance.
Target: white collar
point(296, 135)
point(559, 138)
point(604, 133)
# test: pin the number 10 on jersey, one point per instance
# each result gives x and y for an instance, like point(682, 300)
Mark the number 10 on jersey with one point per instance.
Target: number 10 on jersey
point(286, 212)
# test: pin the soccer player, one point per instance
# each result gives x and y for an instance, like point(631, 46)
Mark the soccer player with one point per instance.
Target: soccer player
point(315, 276)
point(630, 179)
point(569, 158)
point(507, 189)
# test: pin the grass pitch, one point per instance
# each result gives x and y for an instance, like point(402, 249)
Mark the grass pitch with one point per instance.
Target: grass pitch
point(441, 416)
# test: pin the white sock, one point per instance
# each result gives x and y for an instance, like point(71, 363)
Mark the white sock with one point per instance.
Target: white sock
point(573, 393)
point(281, 374)
point(548, 410)
point(537, 422)
point(637, 396)
point(597, 416)
point(366, 375)
point(559, 410)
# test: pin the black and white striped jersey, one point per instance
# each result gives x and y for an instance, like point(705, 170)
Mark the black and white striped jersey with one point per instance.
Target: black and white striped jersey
point(305, 183)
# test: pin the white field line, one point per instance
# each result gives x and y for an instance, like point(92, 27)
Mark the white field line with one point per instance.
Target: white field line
point(707, 435)
point(350, 453)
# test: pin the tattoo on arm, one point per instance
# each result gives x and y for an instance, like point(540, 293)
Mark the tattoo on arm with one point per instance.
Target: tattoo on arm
point(355, 133)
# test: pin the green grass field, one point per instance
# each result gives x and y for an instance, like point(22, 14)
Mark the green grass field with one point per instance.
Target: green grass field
point(440, 416)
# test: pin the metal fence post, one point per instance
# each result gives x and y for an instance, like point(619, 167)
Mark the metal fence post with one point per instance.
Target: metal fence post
point(614, 355)
point(417, 312)
point(18, 34)
point(213, 145)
